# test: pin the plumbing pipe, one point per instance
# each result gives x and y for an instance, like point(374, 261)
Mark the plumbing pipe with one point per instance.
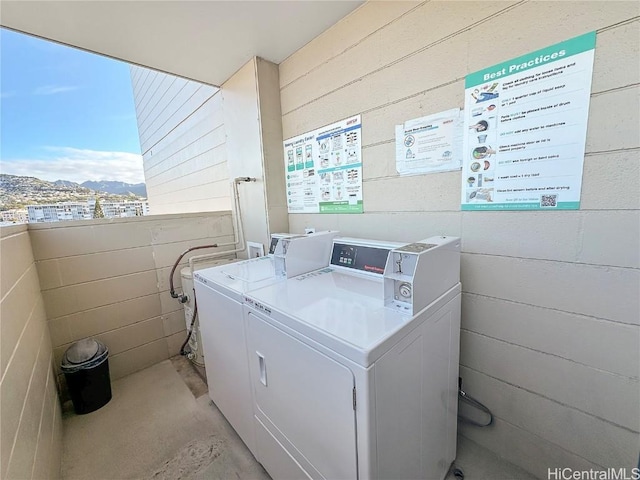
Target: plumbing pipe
point(238, 231)
point(238, 236)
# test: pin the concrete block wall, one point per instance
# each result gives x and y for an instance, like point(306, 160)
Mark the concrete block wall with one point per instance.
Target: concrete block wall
point(182, 138)
point(110, 280)
point(31, 433)
point(551, 322)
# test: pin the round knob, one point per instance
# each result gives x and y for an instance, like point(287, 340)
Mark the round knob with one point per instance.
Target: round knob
point(405, 290)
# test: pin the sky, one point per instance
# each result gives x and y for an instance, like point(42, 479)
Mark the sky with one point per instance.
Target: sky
point(65, 114)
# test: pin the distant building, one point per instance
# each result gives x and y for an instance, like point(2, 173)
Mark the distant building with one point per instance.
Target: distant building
point(60, 212)
point(15, 216)
point(124, 209)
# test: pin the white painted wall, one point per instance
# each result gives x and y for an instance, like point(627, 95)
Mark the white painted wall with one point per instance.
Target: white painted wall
point(271, 140)
point(252, 119)
point(551, 321)
point(182, 137)
point(196, 138)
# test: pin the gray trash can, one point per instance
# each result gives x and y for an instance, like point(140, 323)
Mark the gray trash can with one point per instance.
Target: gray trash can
point(85, 365)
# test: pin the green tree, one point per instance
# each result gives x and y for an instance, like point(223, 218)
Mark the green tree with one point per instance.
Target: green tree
point(97, 210)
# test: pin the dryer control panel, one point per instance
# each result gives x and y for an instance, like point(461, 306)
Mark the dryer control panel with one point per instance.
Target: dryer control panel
point(361, 256)
point(365, 258)
point(418, 273)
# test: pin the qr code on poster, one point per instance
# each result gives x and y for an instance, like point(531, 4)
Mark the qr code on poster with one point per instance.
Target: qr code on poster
point(549, 200)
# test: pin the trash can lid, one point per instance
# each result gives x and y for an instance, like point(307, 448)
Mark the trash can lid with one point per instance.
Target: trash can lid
point(82, 351)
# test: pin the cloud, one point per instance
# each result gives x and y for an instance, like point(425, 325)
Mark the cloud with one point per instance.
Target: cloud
point(78, 165)
point(53, 89)
point(9, 94)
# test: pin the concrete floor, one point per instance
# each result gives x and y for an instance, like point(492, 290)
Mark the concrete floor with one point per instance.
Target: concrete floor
point(154, 428)
point(478, 463)
point(161, 425)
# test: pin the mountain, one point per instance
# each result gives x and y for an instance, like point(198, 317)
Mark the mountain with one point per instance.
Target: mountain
point(66, 183)
point(117, 188)
point(18, 192)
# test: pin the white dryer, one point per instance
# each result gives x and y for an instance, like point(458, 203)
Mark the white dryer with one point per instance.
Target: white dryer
point(351, 381)
point(219, 292)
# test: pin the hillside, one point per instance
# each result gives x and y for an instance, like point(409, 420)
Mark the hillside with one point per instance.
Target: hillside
point(18, 192)
point(117, 188)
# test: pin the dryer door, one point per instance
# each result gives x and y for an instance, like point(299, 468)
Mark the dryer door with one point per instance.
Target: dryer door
point(304, 400)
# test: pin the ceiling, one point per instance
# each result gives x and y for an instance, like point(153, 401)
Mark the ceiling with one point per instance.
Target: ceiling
point(201, 40)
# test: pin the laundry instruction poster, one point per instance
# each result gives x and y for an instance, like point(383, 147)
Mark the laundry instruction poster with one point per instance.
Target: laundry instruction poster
point(323, 169)
point(430, 144)
point(525, 127)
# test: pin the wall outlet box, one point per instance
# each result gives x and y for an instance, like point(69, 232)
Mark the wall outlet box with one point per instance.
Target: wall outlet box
point(255, 249)
point(308, 230)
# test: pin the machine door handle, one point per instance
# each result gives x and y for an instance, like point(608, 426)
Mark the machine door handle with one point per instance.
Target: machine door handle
point(263, 368)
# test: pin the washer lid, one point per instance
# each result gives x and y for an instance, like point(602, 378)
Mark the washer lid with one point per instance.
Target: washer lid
point(82, 351)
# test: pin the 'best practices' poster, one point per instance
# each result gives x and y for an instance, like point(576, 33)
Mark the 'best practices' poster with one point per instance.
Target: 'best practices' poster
point(525, 124)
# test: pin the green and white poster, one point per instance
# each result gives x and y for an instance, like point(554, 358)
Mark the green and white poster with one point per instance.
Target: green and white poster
point(525, 127)
point(323, 169)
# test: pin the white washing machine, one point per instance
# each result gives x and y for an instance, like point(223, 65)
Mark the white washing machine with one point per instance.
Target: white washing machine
point(354, 367)
point(195, 340)
point(219, 293)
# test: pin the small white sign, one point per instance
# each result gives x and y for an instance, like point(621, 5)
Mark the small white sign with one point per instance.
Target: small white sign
point(430, 144)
